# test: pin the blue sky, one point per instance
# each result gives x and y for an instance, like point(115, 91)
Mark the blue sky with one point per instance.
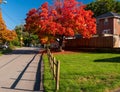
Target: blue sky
point(14, 11)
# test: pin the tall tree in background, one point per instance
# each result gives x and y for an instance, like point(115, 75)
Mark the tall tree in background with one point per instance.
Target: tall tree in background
point(5, 34)
point(63, 19)
point(8, 35)
point(103, 6)
point(2, 27)
point(28, 37)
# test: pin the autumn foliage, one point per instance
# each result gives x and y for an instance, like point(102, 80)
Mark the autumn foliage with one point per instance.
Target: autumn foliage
point(62, 19)
point(5, 34)
point(8, 35)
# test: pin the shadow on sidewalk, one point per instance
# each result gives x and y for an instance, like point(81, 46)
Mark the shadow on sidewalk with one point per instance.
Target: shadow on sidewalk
point(38, 84)
point(25, 50)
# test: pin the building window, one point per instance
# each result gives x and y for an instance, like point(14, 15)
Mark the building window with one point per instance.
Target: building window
point(106, 31)
point(106, 21)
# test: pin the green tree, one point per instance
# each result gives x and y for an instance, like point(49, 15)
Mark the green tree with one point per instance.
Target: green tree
point(117, 7)
point(27, 37)
point(19, 35)
point(30, 39)
point(103, 6)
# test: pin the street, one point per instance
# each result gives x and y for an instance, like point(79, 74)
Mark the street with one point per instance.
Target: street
point(21, 71)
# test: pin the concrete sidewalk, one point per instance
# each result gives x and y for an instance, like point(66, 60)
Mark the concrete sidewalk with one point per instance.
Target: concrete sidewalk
point(21, 71)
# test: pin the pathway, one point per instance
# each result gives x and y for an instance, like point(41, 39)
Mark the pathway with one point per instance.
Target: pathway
point(21, 71)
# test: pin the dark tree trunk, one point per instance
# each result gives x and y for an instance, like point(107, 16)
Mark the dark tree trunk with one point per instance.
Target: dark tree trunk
point(61, 43)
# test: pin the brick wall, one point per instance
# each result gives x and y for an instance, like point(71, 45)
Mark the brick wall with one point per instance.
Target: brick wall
point(116, 26)
point(101, 25)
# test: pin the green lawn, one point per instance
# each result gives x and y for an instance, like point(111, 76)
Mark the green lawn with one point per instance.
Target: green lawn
point(85, 72)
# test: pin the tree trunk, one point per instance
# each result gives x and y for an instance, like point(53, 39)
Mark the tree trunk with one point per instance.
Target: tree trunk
point(61, 43)
point(47, 47)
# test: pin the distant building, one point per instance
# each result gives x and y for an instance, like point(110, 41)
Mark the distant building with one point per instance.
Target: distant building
point(108, 34)
point(108, 24)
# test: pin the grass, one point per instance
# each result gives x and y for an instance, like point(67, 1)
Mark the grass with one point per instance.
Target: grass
point(85, 72)
point(2, 51)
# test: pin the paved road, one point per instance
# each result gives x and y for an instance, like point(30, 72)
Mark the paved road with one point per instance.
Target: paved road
point(21, 71)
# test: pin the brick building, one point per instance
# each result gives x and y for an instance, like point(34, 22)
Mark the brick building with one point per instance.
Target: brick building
point(108, 34)
point(108, 23)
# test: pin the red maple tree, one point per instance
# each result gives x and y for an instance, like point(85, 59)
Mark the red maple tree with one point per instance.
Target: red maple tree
point(61, 20)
